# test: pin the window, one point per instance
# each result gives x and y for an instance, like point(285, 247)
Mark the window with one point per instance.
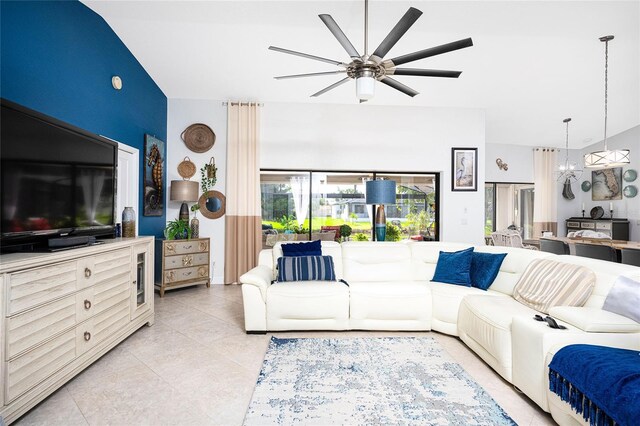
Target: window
point(306, 203)
point(509, 205)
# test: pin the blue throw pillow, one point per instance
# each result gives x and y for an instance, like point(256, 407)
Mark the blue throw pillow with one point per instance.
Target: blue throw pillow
point(312, 248)
point(485, 268)
point(306, 268)
point(454, 267)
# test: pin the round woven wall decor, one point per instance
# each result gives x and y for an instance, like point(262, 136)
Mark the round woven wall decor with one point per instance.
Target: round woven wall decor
point(198, 137)
point(186, 168)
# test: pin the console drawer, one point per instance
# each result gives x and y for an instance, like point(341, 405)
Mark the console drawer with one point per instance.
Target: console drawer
point(37, 325)
point(29, 369)
point(185, 246)
point(100, 327)
point(36, 286)
point(588, 225)
point(186, 274)
point(186, 260)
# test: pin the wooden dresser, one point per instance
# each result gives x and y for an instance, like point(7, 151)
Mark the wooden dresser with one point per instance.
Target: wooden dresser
point(182, 263)
point(62, 311)
point(617, 229)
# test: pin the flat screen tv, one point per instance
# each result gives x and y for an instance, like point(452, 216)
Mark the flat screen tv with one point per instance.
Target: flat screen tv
point(56, 180)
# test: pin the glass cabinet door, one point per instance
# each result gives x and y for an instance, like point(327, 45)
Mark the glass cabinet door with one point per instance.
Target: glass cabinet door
point(141, 291)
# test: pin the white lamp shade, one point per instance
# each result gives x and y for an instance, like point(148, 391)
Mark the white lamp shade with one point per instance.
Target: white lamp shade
point(184, 190)
point(365, 87)
point(608, 158)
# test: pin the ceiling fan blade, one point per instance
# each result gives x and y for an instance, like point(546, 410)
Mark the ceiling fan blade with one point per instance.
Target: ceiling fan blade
point(342, 38)
point(409, 18)
point(333, 86)
point(424, 73)
point(305, 55)
point(313, 74)
point(432, 51)
point(399, 86)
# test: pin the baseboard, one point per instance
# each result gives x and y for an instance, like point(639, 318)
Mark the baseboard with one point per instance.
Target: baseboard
point(256, 332)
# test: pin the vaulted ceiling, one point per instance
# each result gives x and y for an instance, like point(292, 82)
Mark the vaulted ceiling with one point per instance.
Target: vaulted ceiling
point(532, 64)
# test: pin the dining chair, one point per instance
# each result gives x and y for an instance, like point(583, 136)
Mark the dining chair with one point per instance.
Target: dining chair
point(509, 238)
point(596, 251)
point(631, 256)
point(554, 246)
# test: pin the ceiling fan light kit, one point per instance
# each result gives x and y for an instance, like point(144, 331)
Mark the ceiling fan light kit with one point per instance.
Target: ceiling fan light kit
point(367, 69)
point(606, 157)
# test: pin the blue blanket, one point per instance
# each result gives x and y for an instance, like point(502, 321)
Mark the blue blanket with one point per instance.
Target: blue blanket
point(601, 383)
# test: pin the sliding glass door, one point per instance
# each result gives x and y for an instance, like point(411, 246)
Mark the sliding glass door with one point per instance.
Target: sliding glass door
point(509, 206)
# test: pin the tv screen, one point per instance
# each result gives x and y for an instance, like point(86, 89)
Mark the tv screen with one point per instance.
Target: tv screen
point(55, 179)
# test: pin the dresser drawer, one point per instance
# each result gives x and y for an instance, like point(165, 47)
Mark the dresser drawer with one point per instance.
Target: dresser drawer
point(573, 224)
point(37, 325)
point(102, 296)
point(186, 246)
point(605, 226)
point(588, 225)
point(186, 274)
point(186, 260)
point(100, 327)
point(103, 267)
point(36, 286)
point(31, 368)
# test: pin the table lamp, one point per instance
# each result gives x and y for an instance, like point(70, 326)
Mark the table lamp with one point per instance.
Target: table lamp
point(185, 191)
point(380, 192)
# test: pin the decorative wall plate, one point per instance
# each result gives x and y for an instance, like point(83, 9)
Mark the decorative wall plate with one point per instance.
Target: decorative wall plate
point(186, 168)
point(630, 175)
point(630, 191)
point(597, 212)
point(198, 137)
point(586, 186)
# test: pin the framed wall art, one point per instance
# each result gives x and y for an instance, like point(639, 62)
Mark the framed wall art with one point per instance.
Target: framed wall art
point(464, 169)
point(606, 184)
point(153, 176)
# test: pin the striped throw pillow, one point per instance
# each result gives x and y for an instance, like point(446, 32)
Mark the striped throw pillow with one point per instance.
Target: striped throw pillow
point(547, 283)
point(306, 268)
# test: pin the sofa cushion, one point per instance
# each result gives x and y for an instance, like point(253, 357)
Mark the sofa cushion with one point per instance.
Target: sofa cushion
point(329, 248)
point(446, 302)
point(376, 261)
point(306, 268)
point(547, 283)
point(311, 300)
point(484, 268)
point(312, 248)
point(454, 267)
point(624, 298)
point(400, 300)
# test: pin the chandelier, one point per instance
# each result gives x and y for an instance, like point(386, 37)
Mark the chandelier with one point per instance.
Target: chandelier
point(568, 171)
point(606, 158)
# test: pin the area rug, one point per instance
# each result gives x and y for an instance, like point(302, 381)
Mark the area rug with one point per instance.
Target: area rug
point(394, 380)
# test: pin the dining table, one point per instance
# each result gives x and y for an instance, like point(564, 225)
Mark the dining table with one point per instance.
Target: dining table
point(616, 244)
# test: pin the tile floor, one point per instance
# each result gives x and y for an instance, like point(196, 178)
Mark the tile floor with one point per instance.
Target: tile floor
point(196, 366)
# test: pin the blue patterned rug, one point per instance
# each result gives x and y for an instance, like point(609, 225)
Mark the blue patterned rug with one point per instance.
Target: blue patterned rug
point(394, 380)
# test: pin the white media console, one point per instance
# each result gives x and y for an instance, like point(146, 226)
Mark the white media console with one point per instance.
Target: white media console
point(62, 311)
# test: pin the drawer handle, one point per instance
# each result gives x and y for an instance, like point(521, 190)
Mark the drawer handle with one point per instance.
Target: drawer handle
point(87, 272)
point(188, 247)
point(188, 273)
point(87, 336)
point(87, 304)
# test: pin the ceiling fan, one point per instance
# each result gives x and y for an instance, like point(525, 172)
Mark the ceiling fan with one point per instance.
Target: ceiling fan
point(366, 69)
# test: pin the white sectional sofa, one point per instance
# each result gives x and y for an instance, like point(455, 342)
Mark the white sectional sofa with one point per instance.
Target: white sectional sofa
point(390, 288)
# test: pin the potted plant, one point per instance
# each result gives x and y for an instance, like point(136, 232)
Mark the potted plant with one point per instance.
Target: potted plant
point(345, 231)
point(177, 230)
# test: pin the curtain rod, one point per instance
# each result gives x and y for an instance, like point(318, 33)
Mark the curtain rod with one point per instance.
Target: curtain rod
point(225, 103)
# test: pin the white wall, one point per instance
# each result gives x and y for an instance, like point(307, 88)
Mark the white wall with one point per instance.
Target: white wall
point(181, 114)
point(627, 207)
point(382, 138)
point(518, 157)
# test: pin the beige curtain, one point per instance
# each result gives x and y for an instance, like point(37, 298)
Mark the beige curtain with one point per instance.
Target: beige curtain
point(242, 229)
point(545, 212)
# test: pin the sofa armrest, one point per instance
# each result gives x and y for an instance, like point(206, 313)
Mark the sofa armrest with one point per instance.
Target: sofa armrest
point(260, 276)
point(594, 320)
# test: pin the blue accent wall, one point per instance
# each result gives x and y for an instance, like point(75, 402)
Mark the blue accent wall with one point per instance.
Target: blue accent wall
point(58, 58)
